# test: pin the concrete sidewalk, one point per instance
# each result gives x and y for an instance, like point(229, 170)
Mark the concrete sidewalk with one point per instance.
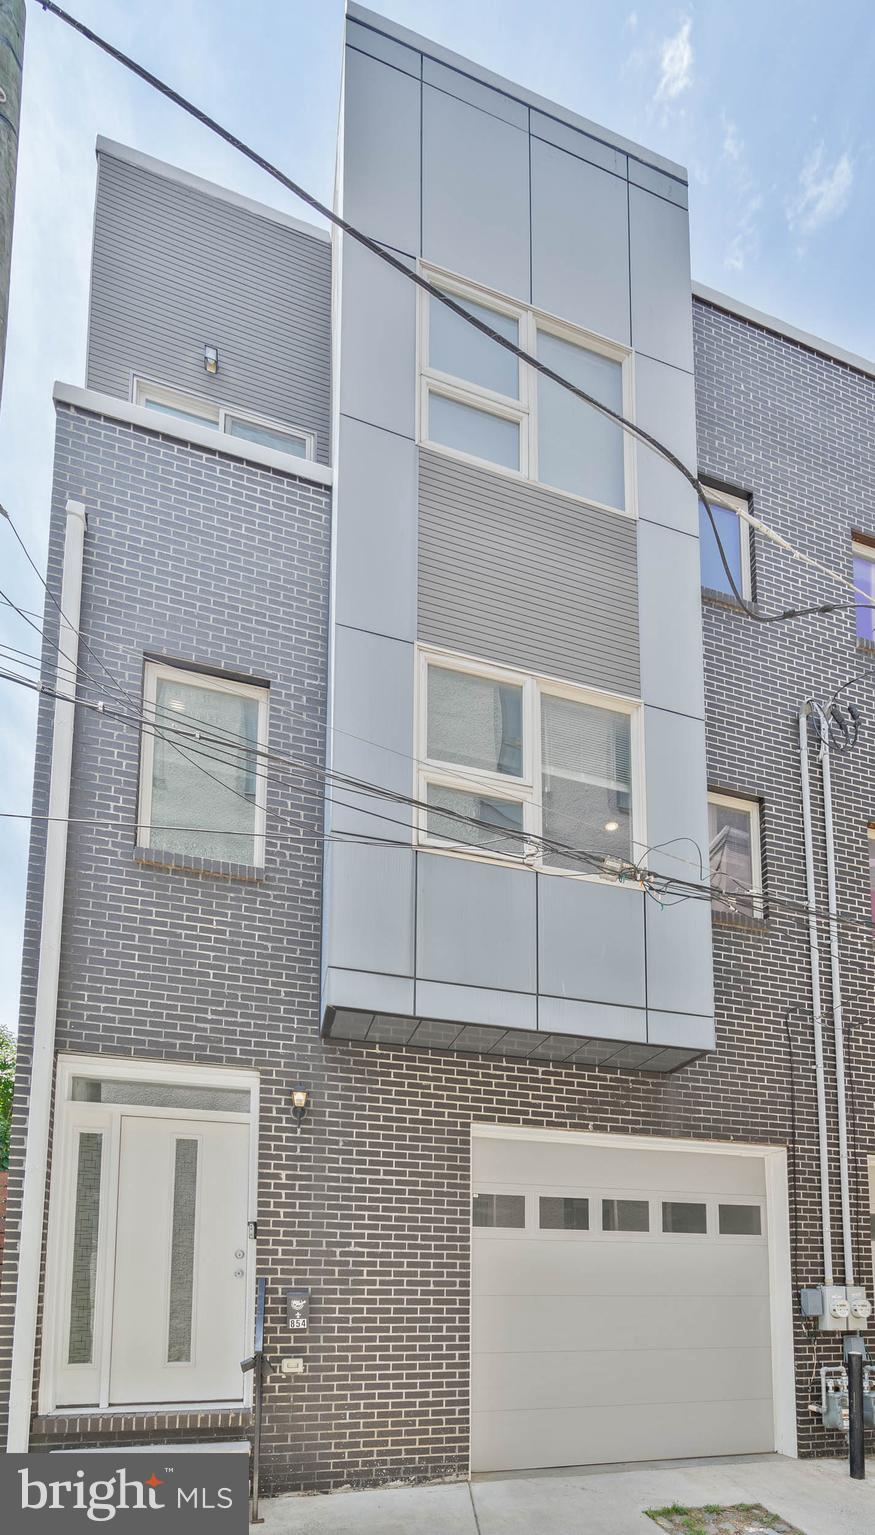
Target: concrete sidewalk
point(816, 1495)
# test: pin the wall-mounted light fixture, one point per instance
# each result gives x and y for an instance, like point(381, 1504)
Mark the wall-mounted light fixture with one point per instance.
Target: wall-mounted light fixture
point(211, 359)
point(300, 1102)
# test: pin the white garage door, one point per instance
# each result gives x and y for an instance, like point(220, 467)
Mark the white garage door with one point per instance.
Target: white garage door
point(620, 1304)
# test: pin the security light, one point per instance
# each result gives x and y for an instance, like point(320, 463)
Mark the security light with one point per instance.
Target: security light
point(211, 359)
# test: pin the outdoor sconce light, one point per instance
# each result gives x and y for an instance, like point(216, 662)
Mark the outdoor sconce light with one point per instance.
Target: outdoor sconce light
point(211, 359)
point(300, 1103)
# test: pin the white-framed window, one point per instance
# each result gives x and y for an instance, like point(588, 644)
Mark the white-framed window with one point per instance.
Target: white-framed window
point(522, 767)
point(202, 789)
point(479, 402)
point(735, 854)
point(735, 535)
point(225, 418)
point(150, 1260)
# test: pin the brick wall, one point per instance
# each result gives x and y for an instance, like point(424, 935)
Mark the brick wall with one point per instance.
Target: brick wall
point(367, 1203)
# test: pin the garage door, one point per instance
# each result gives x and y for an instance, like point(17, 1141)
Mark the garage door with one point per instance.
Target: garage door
point(620, 1304)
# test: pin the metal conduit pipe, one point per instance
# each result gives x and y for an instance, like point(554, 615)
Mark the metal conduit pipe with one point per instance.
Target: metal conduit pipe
point(814, 951)
point(43, 1059)
point(836, 982)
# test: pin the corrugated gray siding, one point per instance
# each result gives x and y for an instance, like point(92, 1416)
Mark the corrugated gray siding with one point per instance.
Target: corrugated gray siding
point(174, 268)
point(519, 575)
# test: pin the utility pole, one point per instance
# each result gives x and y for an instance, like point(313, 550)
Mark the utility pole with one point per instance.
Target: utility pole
point(11, 58)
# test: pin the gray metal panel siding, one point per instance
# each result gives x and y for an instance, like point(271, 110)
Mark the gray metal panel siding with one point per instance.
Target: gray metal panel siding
point(174, 268)
point(519, 575)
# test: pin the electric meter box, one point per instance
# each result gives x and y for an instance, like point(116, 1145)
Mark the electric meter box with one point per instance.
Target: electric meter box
point(836, 1307)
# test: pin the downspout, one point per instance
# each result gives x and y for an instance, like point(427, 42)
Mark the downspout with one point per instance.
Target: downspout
point(814, 950)
point(43, 1057)
point(836, 981)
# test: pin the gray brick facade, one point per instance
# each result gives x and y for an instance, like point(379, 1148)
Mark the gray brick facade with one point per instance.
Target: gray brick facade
point(196, 557)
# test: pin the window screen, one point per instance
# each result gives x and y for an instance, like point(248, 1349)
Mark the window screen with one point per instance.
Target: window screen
point(475, 722)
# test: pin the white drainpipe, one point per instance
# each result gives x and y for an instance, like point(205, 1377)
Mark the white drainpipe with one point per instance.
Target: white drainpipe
point(810, 895)
point(836, 980)
point(42, 1064)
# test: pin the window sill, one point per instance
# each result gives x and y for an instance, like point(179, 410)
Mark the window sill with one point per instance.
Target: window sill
point(866, 647)
point(736, 921)
point(205, 868)
point(715, 599)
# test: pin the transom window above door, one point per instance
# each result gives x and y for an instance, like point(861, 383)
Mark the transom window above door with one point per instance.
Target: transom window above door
point(224, 418)
point(202, 784)
point(479, 401)
point(519, 767)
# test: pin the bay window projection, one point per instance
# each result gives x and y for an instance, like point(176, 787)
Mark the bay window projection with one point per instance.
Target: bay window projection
point(480, 401)
point(201, 791)
point(735, 856)
point(509, 760)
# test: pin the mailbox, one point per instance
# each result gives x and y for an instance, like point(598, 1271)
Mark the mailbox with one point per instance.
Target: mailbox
point(298, 1309)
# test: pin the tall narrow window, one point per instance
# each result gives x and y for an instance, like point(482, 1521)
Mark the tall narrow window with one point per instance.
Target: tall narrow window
point(86, 1230)
point(182, 1252)
point(202, 790)
point(734, 539)
point(864, 580)
point(872, 872)
point(586, 778)
point(734, 851)
point(579, 449)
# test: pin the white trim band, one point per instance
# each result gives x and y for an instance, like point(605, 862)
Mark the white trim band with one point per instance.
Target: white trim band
point(161, 425)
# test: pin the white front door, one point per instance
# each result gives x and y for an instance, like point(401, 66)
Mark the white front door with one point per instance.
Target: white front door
point(179, 1294)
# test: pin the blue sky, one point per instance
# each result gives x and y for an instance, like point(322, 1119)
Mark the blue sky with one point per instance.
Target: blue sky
point(768, 106)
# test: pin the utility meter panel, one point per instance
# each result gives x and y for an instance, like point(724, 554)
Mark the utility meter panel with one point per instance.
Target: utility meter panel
point(837, 1307)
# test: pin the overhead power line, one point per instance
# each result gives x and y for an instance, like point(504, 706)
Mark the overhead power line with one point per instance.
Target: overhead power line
point(460, 310)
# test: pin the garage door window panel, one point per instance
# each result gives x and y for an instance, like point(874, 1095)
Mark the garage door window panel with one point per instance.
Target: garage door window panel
point(684, 1217)
point(500, 1211)
point(626, 1215)
point(563, 1213)
point(735, 1219)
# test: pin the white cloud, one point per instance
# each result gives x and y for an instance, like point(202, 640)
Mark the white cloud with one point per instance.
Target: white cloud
point(631, 22)
point(743, 203)
point(676, 63)
point(732, 145)
point(823, 191)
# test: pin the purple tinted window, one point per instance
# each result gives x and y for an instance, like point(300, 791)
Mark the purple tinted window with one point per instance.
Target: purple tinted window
point(864, 580)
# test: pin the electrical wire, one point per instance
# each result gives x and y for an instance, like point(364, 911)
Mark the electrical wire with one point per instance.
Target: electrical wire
point(442, 297)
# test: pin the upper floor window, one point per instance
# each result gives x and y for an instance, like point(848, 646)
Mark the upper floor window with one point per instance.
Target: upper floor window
point(864, 580)
point(200, 789)
point(508, 761)
point(735, 854)
point(734, 538)
point(481, 402)
point(224, 418)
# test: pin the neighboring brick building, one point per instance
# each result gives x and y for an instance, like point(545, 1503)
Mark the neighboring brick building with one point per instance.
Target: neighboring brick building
point(646, 1203)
